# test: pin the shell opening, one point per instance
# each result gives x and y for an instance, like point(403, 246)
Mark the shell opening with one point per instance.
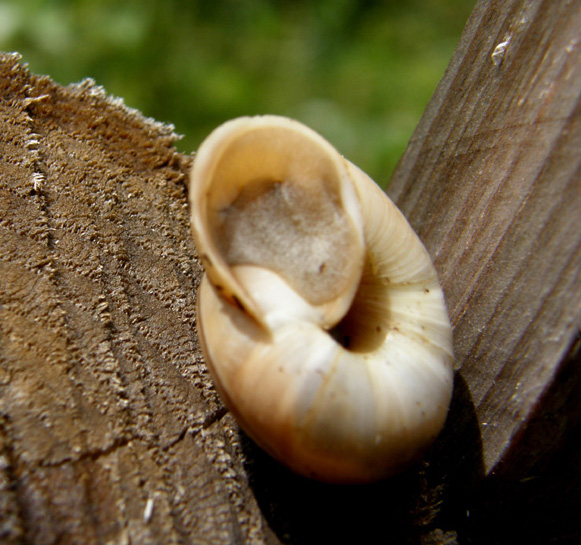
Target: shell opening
point(283, 208)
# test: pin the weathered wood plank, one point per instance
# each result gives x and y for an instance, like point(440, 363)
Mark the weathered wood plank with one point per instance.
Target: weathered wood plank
point(491, 181)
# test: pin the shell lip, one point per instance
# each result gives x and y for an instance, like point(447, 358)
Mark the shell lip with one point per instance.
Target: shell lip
point(204, 203)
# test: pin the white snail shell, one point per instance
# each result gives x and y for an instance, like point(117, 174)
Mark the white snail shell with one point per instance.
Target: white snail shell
point(320, 313)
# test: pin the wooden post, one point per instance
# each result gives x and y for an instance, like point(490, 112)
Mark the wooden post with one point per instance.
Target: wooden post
point(491, 182)
point(110, 429)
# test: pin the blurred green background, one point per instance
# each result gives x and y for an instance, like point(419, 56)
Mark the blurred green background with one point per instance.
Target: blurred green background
point(359, 72)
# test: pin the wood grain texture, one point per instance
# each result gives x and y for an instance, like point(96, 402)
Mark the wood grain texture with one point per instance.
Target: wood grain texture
point(110, 431)
point(491, 182)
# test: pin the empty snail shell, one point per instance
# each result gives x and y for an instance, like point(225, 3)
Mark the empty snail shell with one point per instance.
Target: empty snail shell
point(320, 313)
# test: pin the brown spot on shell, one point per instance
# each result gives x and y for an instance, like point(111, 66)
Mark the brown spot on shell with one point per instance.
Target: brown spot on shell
point(238, 303)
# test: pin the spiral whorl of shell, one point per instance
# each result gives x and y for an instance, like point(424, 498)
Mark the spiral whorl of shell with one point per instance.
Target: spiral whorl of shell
point(320, 314)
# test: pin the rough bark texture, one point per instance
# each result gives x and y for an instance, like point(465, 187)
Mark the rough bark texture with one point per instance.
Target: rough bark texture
point(110, 430)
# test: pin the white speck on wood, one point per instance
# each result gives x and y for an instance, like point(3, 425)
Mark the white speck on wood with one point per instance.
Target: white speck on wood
point(500, 51)
point(148, 511)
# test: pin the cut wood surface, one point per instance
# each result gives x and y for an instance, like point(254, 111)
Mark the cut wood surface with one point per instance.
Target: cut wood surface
point(110, 429)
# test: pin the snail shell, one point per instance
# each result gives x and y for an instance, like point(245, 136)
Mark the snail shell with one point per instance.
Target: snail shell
point(320, 313)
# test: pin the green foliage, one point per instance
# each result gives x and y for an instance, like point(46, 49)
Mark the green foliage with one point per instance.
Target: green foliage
point(359, 72)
